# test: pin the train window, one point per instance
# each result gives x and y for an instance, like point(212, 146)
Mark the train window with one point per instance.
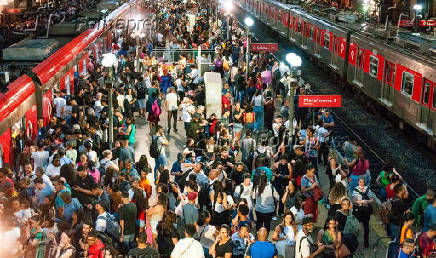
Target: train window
point(426, 92)
point(407, 84)
point(434, 96)
point(299, 25)
point(327, 40)
point(373, 66)
point(361, 58)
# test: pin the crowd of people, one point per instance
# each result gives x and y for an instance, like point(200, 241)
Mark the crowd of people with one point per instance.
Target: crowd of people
point(242, 186)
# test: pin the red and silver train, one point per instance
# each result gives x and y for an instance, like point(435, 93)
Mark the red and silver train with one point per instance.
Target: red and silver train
point(402, 81)
point(19, 105)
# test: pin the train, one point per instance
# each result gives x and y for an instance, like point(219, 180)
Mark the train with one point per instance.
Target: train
point(30, 96)
point(401, 80)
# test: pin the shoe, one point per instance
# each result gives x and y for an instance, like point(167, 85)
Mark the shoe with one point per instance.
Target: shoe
point(168, 131)
point(274, 218)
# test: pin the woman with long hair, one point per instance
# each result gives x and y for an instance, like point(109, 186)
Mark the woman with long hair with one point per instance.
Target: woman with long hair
point(308, 183)
point(205, 233)
point(331, 237)
point(337, 192)
point(285, 235)
point(362, 199)
point(223, 246)
point(65, 248)
point(258, 102)
point(311, 147)
point(266, 197)
point(221, 204)
point(359, 168)
point(238, 122)
point(166, 234)
point(156, 213)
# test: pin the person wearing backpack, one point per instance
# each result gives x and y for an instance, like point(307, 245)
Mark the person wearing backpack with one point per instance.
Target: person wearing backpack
point(107, 224)
point(157, 149)
point(362, 199)
point(265, 197)
point(127, 215)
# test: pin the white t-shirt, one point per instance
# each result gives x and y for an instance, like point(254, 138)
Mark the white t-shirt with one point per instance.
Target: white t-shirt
point(188, 248)
point(186, 113)
point(120, 99)
point(59, 103)
point(304, 251)
point(246, 194)
point(298, 214)
point(159, 37)
point(171, 99)
point(53, 171)
point(179, 85)
point(100, 224)
point(207, 235)
point(219, 207)
point(320, 134)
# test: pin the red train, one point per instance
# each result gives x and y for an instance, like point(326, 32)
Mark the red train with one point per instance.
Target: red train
point(18, 106)
point(401, 80)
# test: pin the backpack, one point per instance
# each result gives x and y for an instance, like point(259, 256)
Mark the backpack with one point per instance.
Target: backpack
point(352, 226)
point(203, 196)
point(113, 229)
point(155, 108)
point(385, 211)
point(154, 149)
point(257, 175)
point(182, 179)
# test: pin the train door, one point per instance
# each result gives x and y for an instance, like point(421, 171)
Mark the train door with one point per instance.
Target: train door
point(426, 101)
point(317, 42)
point(359, 68)
point(335, 55)
point(388, 83)
point(304, 34)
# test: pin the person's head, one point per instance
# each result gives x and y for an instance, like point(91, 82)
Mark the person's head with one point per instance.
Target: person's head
point(142, 239)
point(310, 132)
point(244, 231)
point(58, 185)
point(190, 230)
point(66, 237)
point(310, 171)
point(28, 168)
point(86, 228)
point(308, 225)
point(408, 246)
point(429, 195)
point(298, 150)
point(99, 207)
point(225, 231)
point(431, 233)
point(204, 218)
point(262, 234)
point(35, 221)
point(38, 183)
point(81, 171)
point(283, 159)
point(361, 181)
point(330, 223)
point(345, 204)
point(401, 191)
point(92, 238)
point(289, 219)
point(409, 218)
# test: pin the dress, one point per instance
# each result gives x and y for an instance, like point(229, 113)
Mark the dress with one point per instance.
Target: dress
point(154, 220)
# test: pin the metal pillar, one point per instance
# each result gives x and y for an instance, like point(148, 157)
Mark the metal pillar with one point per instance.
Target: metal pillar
point(247, 54)
point(292, 86)
point(109, 86)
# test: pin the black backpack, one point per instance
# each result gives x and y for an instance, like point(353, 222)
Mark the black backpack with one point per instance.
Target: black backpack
point(182, 179)
point(154, 149)
point(203, 196)
point(257, 175)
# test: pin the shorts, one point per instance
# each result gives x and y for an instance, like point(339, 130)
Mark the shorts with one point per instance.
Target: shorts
point(141, 103)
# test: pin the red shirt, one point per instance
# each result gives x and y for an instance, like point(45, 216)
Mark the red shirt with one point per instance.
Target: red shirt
point(426, 244)
point(96, 250)
point(390, 193)
point(225, 103)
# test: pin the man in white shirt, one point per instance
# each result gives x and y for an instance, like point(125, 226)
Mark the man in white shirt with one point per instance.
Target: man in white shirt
point(304, 241)
point(54, 169)
point(60, 104)
point(171, 100)
point(187, 110)
point(188, 247)
point(195, 76)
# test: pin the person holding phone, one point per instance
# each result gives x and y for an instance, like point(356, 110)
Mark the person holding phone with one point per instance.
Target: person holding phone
point(223, 246)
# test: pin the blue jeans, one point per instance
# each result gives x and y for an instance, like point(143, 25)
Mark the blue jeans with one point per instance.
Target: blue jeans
point(240, 95)
point(128, 240)
point(394, 233)
point(258, 118)
point(160, 161)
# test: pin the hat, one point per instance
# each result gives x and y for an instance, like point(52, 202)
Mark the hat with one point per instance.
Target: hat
point(192, 196)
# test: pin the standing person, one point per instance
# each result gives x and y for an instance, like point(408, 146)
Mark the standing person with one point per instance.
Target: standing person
point(305, 247)
point(400, 205)
point(262, 248)
point(167, 235)
point(426, 242)
point(247, 150)
point(360, 167)
point(162, 141)
point(362, 199)
point(311, 147)
point(239, 87)
point(241, 240)
point(127, 216)
point(430, 215)
point(258, 102)
point(143, 249)
point(171, 100)
point(188, 247)
point(419, 206)
point(265, 197)
point(308, 183)
point(285, 234)
point(223, 246)
point(205, 233)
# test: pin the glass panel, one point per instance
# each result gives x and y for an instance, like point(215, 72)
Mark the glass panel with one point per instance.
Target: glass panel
point(373, 66)
point(361, 58)
point(426, 93)
point(434, 96)
point(407, 84)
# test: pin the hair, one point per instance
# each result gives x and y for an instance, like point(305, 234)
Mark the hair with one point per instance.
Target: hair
point(202, 217)
point(140, 200)
point(190, 229)
point(262, 184)
point(226, 227)
point(326, 223)
point(337, 192)
point(164, 177)
point(398, 188)
point(142, 238)
point(167, 223)
point(243, 209)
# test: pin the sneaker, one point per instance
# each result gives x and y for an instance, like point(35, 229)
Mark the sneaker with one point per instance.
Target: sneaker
point(274, 218)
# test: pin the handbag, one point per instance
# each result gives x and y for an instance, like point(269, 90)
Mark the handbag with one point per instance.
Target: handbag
point(317, 192)
point(343, 251)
